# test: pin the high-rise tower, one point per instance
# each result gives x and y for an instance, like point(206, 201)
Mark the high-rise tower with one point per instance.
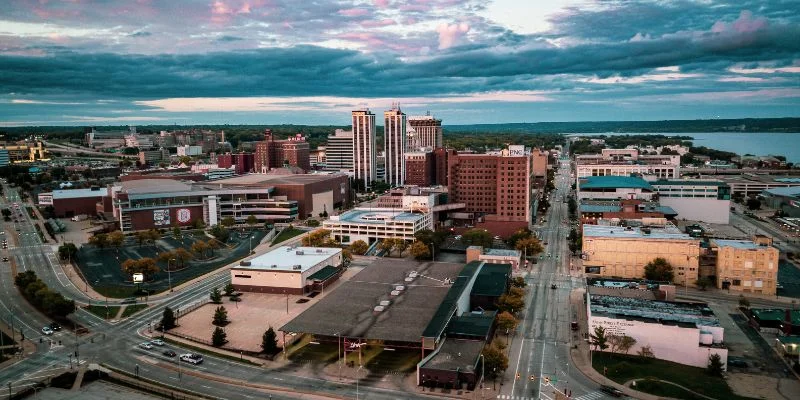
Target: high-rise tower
point(364, 156)
point(394, 140)
point(424, 131)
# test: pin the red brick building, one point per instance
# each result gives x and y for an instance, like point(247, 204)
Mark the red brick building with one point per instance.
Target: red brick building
point(496, 188)
point(440, 172)
point(420, 168)
point(271, 153)
point(72, 202)
point(242, 162)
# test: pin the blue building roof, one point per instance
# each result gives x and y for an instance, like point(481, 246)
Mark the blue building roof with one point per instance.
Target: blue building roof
point(791, 191)
point(611, 182)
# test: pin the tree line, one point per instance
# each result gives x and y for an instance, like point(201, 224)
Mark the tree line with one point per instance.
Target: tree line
point(42, 297)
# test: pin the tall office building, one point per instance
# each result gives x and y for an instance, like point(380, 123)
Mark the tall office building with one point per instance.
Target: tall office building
point(339, 151)
point(394, 145)
point(364, 152)
point(424, 131)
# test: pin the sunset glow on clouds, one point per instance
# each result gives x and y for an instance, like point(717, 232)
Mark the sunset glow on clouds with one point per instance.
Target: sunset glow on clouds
point(468, 61)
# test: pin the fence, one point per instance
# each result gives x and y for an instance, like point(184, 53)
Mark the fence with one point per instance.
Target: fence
point(147, 385)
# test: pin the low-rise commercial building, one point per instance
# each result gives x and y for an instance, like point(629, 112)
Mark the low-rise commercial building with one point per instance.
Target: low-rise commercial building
point(785, 199)
point(626, 162)
point(614, 188)
point(495, 256)
point(290, 270)
point(371, 225)
point(685, 333)
point(153, 157)
point(747, 266)
point(623, 251)
point(71, 202)
point(23, 152)
point(696, 200)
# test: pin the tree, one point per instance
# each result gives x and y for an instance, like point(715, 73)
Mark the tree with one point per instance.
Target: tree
point(229, 289)
point(141, 237)
point(220, 233)
point(316, 238)
point(506, 321)
point(626, 344)
point(518, 282)
point(181, 255)
point(753, 204)
point(177, 234)
point(216, 296)
point(477, 237)
point(198, 224)
point(359, 247)
point(168, 319)
point(269, 342)
point(420, 250)
point(646, 352)
point(531, 246)
point(510, 303)
point(165, 257)
point(116, 239)
point(523, 233)
point(387, 245)
point(252, 221)
point(312, 223)
point(220, 316)
point(152, 235)
point(400, 245)
point(67, 251)
point(495, 360)
point(743, 302)
point(146, 266)
point(659, 270)
point(715, 366)
point(6, 213)
point(704, 282)
point(228, 222)
point(219, 337)
point(599, 339)
point(200, 248)
point(99, 240)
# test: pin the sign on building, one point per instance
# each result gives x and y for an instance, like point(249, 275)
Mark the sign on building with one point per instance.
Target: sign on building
point(161, 217)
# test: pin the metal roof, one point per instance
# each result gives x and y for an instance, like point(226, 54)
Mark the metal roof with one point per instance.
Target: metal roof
point(285, 258)
point(448, 305)
point(669, 232)
point(657, 311)
point(790, 191)
point(610, 182)
point(78, 193)
point(492, 280)
point(739, 244)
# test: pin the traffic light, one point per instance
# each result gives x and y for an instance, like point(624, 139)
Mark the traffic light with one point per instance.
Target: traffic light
point(547, 380)
point(518, 375)
point(533, 377)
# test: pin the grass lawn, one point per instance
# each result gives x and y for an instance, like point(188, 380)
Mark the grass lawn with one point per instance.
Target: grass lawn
point(286, 234)
point(622, 368)
point(100, 311)
point(133, 309)
point(665, 390)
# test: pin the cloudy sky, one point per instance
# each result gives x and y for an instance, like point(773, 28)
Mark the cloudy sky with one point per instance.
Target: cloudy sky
point(82, 62)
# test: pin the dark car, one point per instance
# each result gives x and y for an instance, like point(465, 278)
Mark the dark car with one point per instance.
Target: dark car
point(169, 353)
point(737, 362)
point(611, 390)
point(55, 326)
point(553, 286)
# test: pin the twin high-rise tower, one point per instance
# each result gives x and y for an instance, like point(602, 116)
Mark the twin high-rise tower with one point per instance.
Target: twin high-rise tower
point(401, 134)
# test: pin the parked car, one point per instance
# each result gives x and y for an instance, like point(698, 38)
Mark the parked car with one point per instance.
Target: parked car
point(157, 342)
point(192, 358)
point(47, 331)
point(5, 259)
point(553, 286)
point(611, 390)
point(574, 325)
point(146, 346)
point(169, 353)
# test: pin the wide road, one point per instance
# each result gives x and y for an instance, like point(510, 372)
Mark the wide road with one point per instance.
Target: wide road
point(539, 354)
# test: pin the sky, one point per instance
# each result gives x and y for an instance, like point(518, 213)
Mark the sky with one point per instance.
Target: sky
point(142, 62)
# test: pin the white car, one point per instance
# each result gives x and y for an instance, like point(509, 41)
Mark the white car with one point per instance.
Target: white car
point(157, 342)
point(192, 358)
point(47, 331)
point(146, 346)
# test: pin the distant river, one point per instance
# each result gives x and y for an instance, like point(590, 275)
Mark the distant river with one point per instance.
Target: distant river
point(757, 143)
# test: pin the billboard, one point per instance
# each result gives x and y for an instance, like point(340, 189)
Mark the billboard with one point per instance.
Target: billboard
point(138, 278)
point(161, 217)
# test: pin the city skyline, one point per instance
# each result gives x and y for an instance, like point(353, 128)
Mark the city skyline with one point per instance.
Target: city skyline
point(256, 62)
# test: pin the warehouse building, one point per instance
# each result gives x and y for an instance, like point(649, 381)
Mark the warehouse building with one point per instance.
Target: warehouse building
point(71, 202)
point(290, 270)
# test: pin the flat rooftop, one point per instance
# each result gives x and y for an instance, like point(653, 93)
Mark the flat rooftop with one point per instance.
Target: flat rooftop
point(349, 310)
point(457, 354)
point(366, 216)
point(613, 182)
point(739, 244)
point(274, 179)
point(142, 186)
point(667, 232)
point(502, 252)
point(78, 193)
point(285, 258)
point(776, 314)
point(654, 311)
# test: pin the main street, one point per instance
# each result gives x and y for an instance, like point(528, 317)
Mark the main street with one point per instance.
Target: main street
point(539, 354)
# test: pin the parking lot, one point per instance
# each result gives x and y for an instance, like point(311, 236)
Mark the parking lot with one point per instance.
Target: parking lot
point(102, 267)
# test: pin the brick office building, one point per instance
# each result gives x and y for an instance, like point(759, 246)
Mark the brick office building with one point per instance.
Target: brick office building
point(243, 163)
point(496, 188)
point(271, 153)
point(420, 168)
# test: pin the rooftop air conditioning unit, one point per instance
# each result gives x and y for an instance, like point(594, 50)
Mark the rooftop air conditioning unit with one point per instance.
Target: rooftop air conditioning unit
point(299, 252)
point(297, 267)
point(273, 266)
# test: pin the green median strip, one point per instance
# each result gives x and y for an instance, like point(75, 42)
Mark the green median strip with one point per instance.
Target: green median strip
point(133, 309)
point(103, 312)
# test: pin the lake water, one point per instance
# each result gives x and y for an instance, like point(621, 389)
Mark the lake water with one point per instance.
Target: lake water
point(757, 143)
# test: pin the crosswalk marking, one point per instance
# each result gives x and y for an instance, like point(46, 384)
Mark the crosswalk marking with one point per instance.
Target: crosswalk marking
point(591, 396)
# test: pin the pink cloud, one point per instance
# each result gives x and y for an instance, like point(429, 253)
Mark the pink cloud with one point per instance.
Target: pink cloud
point(381, 3)
point(354, 12)
point(744, 24)
point(379, 23)
point(449, 34)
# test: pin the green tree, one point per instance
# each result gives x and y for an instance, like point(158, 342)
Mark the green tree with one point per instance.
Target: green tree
point(646, 352)
point(743, 302)
point(510, 303)
point(477, 237)
point(400, 245)
point(220, 316)
point(228, 222)
point(598, 339)
point(530, 246)
point(715, 366)
point(753, 204)
point(168, 319)
point(229, 289)
point(704, 282)
point(177, 234)
point(67, 251)
point(219, 337)
point(359, 247)
point(523, 233)
point(659, 270)
point(312, 223)
point(116, 239)
point(216, 296)
point(269, 342)
point(99, 240)
point(518, 282)
point(252, 221)
point(198, 224)
point(495, 359)
point(220, 233)
point(626, 343)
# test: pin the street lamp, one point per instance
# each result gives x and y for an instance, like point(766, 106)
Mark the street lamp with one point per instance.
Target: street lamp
point(169, 273)
point(483, 361)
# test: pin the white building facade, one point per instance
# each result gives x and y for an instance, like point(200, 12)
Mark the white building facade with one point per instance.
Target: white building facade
point(291, 270)
point(707, 201)
point(424, 131)
point(339, 151)
point(373, 224)
point(394, 144)
point(364, 147)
